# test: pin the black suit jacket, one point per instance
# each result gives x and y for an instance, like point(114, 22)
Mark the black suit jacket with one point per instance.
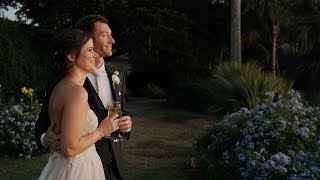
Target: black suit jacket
point(102, 146)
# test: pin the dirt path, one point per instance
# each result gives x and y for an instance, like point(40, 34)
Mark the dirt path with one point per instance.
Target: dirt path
point(161, 140)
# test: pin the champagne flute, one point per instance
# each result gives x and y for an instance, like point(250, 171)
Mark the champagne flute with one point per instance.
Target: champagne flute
point(115, 108)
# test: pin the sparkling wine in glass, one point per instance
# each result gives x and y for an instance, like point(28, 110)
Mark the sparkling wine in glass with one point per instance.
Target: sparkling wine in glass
point(115, 108)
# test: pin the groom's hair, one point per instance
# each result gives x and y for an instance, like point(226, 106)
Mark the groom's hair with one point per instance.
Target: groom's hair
point(87, 23)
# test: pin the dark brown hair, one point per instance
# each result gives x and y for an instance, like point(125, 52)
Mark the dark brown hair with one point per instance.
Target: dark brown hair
point(87, 23)
point(69, 41)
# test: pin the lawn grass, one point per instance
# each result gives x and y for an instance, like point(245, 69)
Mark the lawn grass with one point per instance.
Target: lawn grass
point(160, 147)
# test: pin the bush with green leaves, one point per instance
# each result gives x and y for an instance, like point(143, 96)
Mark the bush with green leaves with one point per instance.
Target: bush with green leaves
point(196, 96)
point(243, 85)
point(17, 123)
point(155, 91)
point(278, 139)
point(23, 58)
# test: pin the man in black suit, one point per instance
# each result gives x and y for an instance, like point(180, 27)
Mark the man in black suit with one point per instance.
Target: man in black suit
point(113, 85)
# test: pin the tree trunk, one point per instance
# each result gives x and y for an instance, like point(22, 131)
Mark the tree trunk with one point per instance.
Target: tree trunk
point(235, 33)
point(275, 30)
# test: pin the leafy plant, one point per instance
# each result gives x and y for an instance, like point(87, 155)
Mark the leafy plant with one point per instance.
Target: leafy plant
point(17, 126)
point(194, 95)
point(243, 85)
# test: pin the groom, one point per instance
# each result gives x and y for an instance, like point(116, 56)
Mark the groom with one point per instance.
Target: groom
point(112, 89)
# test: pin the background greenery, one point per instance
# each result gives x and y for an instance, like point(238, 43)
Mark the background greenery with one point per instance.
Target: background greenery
point(177, 50)
point(167, 42)
point(23, 57)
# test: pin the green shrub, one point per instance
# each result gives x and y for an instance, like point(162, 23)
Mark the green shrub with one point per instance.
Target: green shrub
point(243, 85)
point(194, 95)
point(278, 139)
point(155, 91)
point(23, 58)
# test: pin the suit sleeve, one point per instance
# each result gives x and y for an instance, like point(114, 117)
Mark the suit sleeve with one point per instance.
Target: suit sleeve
point(123, 100)
point(43, 122)
point(123, 96)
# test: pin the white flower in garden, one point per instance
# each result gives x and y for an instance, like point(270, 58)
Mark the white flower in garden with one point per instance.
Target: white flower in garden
point(225, 155)
point(270, 94)
point(241, 157)
point(303, 132)
point(257, 134)
point(281, 169)
point(281, 158)
point(269, 165)
point(251, 145)
point(245, 175)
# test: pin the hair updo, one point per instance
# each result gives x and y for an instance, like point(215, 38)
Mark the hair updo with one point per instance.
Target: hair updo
point(69, 41)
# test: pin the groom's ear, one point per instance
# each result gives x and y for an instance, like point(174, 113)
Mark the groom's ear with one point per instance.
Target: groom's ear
point(71, 57)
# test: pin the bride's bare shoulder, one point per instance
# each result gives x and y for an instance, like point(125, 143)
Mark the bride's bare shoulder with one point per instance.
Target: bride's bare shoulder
point(71, 90)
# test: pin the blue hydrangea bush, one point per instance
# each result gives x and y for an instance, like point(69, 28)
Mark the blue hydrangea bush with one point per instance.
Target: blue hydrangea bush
point(278, 139)
point(17, 125)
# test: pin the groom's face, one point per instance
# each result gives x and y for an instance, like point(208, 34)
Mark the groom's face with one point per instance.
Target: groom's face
point(103, 39)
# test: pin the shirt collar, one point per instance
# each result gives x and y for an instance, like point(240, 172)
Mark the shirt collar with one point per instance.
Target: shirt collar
point(102, 68)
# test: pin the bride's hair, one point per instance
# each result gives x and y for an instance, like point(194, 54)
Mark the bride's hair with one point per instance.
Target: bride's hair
point(67, 42)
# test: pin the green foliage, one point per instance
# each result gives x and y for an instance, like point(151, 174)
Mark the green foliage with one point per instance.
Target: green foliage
point(17, 123)
point(5, 3)
point(22, 57)
point(143, 72)
point(155, 91)
point(243, 85)
point(307, 26)
point(196, 96)
point(276, 139)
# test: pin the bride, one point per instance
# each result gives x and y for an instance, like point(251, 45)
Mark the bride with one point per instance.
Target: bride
point(68, 108)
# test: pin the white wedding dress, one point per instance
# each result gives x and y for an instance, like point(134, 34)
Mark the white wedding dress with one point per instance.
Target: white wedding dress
point(84, 166)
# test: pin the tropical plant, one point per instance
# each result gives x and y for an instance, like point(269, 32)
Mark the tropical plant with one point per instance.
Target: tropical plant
point(276, 15)
point(277, 139)
point(243, 85)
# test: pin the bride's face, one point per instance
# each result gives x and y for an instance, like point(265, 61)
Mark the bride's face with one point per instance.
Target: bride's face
point(87, 57)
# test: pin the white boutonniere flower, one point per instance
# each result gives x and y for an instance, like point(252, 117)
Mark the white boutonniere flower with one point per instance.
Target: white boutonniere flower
point(115, 79)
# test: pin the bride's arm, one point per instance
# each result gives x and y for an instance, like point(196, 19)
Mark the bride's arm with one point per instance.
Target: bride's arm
point(74, 115)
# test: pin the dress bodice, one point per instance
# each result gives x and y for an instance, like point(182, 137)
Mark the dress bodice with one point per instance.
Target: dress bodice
point(91, 123)
point(86, 165)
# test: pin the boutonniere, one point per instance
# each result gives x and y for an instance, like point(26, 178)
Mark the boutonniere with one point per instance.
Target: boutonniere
point(115, 79)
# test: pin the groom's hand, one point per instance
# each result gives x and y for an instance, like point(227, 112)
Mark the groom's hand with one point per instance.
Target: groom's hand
point(51, 139)
point(125, 124)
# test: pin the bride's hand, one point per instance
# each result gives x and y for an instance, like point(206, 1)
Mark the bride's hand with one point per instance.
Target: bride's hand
point(109, 125)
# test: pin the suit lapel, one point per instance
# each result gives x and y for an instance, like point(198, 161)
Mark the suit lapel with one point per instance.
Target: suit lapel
point(94, 101)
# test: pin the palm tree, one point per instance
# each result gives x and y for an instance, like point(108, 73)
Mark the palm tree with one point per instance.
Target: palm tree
point(235, 33)
point(277, 14)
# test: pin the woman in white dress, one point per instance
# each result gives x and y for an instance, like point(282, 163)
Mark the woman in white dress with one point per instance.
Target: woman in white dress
point(73, 59)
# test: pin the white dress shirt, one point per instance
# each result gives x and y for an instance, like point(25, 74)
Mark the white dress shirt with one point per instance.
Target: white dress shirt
point(107, 98)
